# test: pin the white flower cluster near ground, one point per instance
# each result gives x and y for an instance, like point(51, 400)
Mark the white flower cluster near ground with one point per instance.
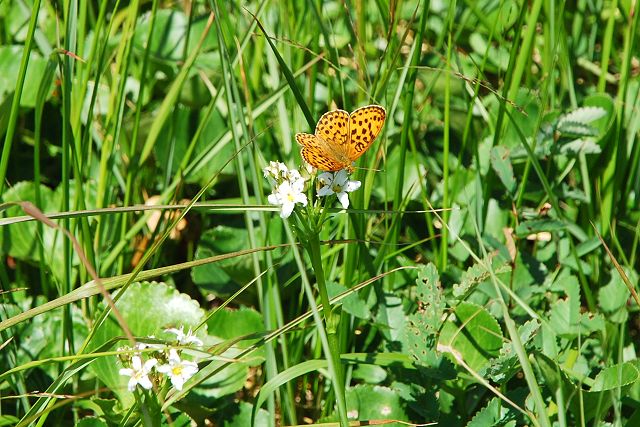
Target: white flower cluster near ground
point(162, 361)
point(288, 187)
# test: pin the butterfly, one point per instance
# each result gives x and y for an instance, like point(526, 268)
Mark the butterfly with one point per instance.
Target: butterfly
point(341, 138)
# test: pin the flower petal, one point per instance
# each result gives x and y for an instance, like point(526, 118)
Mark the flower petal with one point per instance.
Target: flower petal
point(163, 369)
point(136, 363)
point(286, 209)
point(274, 199)
point(177, 382)
point(326, 178)
point(149, 364)
point(145, 382)
point(352, 186)
point(341, 178)
point(300, 198)
point(325, 191)
point(133, 382)
point(344, 199)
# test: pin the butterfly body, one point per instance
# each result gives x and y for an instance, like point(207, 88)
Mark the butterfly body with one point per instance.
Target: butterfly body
point(341, 138)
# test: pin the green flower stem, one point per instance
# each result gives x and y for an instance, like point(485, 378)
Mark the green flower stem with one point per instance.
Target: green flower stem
point(331, 319)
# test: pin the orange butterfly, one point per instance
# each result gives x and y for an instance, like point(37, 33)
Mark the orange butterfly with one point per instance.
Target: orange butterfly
point(341, 138)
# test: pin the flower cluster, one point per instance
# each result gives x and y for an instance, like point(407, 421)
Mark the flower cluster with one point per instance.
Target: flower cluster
point(288, 187)
point(161, 361)
point(337, 183)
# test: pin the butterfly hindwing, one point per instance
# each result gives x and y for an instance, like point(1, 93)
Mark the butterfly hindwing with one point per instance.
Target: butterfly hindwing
point(316, 152)
point(364, 126)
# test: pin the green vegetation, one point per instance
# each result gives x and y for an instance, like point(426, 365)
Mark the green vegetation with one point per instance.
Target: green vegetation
point(484, 273)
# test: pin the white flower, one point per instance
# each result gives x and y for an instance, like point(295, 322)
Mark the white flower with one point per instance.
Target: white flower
point(293, 176)
point(178, 370)
point(287, 195)
point(185, 339)
point(276, 170)
point(338, 184)
point(139, 373)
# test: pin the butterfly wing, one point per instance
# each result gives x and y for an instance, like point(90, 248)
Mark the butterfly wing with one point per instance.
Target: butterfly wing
point(333, 128)
point(317, 153)
point(365, 124)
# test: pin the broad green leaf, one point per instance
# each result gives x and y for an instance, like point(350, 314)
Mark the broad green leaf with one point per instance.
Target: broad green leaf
point(229, 324)
point(352, 304)
point(240, 416)
point(473, 333)
point(613, 298)
point(228, 276)
point(528, 101)
point(10, 58)
point(374, 402)
point(91, 422)
point(21, 240)
point(502, 166)
point(371, 374)
point(592, 403)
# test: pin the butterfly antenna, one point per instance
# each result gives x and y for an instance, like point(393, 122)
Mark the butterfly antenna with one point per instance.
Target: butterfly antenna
point(368, 169)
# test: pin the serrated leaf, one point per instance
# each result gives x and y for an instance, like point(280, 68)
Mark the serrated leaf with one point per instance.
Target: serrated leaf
point(574, 129)
point(578, 146)
point(507, 364)
point(615, 376)
point(478, 273)
point(430, 303)
point(501, 164)
point(487, 416)
point(584, 115)
point(573, 193)
point(565, 316)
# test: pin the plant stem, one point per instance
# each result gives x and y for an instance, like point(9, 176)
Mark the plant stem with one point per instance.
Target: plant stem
point(331, 321)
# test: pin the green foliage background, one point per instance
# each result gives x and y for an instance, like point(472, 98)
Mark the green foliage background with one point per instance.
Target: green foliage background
point(484, 274)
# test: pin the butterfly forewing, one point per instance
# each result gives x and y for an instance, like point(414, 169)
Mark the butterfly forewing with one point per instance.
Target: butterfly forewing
point(317, 153)
point(333, 128)
point(364, 126)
